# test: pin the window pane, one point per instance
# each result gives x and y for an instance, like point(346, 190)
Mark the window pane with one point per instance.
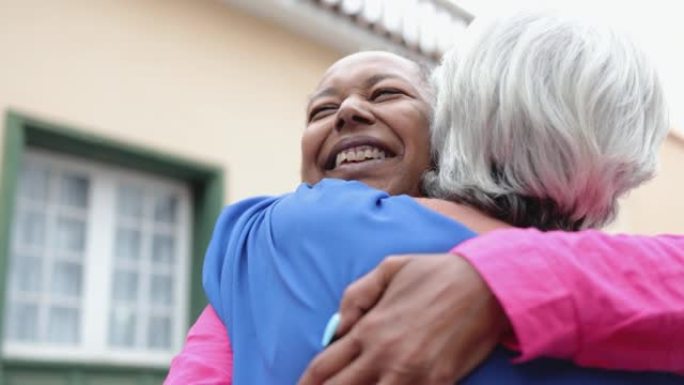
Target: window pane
point(122, 327)
point(165, 208)
point(73, 191)
point(63, 325)
point(130, 201)
point(70, 234)
point(67, 278)
point(127, 243)
point(163, 249)
point(23, 321)
point(34, 183)
point(31, 228)
point(57, 243)
point(159, 332)
point(27, 273)
point(125, 286)
point(161, 292)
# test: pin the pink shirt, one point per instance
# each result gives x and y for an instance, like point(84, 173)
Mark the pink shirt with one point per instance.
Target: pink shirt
point(614, 302)
point(206, 358)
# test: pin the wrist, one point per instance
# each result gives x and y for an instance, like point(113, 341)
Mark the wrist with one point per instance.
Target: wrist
point(495, 312)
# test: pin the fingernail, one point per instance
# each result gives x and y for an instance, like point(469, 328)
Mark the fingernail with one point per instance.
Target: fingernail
point(330, 329)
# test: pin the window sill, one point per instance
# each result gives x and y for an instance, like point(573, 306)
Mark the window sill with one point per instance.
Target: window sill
point(71, 355)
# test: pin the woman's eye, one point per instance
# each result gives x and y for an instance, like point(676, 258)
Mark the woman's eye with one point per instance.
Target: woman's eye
point(321, 112)
point(385, 93)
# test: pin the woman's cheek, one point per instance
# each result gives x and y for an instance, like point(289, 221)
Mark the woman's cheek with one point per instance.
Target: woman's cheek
point(313, 139)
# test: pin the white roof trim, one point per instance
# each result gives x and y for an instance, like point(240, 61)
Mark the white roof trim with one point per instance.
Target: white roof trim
point(417, 28)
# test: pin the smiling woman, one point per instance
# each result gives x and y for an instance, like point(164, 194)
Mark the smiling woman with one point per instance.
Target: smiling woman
point(368, 120)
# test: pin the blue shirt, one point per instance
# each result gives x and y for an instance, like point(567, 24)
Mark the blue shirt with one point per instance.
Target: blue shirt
point(276, 269)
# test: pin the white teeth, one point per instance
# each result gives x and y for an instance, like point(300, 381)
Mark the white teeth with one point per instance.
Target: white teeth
point(341, 157)
point(359, 154)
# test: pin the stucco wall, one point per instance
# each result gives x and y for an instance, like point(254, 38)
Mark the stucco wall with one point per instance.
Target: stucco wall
point(658, 206)
point(194, 78)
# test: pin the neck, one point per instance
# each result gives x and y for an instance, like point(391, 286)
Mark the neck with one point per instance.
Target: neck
point(468, 216)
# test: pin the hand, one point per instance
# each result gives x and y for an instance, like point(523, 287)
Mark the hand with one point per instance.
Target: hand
point(422, 319)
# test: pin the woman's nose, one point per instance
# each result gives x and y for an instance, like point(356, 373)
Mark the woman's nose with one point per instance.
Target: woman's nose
point(353, 112)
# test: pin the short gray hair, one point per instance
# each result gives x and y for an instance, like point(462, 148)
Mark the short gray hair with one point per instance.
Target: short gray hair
point(544, 121)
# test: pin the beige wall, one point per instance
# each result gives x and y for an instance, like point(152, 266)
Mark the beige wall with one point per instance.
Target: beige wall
point(194, 78)
point(658, 206)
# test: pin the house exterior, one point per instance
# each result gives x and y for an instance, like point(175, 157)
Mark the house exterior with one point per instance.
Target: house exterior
point(127, 125)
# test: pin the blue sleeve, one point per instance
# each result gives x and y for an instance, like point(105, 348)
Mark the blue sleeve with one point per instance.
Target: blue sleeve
point(276, 267)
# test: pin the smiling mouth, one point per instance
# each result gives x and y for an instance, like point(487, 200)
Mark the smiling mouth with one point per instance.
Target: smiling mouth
point(358, 154)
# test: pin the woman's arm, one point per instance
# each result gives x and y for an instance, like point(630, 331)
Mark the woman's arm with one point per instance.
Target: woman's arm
point(614, 302)
point(206, 357)
point(607, 301)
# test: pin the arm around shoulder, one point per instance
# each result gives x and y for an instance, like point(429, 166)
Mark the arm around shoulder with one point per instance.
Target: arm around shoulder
point(606, 301)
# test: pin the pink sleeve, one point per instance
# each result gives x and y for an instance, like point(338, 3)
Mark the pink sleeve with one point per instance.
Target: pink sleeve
point(206, 358)
point(602, 301)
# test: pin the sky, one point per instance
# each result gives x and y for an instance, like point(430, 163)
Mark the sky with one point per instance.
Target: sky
point(656, 24)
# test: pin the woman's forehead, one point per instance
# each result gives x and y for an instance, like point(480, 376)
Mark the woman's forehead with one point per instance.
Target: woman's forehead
point(360, 68)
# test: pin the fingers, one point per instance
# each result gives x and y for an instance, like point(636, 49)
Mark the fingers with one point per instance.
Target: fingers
point(363, 294)
point(332, 360)
point(361, 371)
point(396, 379)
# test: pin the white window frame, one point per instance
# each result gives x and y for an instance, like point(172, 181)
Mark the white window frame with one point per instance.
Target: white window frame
point(97, 274)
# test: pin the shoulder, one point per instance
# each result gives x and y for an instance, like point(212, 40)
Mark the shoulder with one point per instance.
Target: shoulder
point(334, 193)
point(336, 201)
point(353, 211)
point(466, 215)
